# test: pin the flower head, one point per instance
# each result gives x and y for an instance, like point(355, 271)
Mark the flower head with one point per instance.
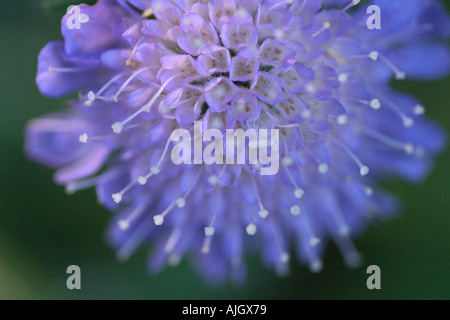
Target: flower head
point(307, 68)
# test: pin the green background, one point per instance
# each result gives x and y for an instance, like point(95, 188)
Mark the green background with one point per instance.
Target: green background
point(43, 230)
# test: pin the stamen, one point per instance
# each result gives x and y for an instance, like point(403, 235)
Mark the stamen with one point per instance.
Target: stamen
point(343, 228)
point(351, 256)
point(325, 26)
point(128, 62)
point(263, 213)
point(75, 186)
point(298, 192)
point(118, 126)
point(134, 239)
point(399, 74)
point(142, 180)
point(97, 96)
point(209, 232)
point(173, 239)
point(351, 4)
point(407, 147)
point(363, 170)
point(65, 70)
point(115, 96)
point(180, 203)
point(124, 224)
point(407, 121)
point(84, 138)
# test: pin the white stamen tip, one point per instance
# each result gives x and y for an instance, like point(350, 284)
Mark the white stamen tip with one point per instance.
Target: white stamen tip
point(123, 224)
point(343, 77)
point(117, 127)
point(158, 220)
point(409, 148)
point(344, 231)
point(298, 193)
point(287, 161)
point(364, 171)
point(142, 180)
point(353, 260)
point(114, 98)
point(314, 241)
point(327, 25)
point(419, 110)
point(279, 33)
point(263, 213)
point(284, 258)
point(408, 122)
point(323, 168)
point(70, 189)
point(117, 197)
point(369, 191)
point(205, 249)
point(180, 203)
point(342, 119)
point(50, 69)
point(374, 55)
point(84, 138)
point(91, 95)
point(400, 75)
point(355, 2)
point(212, 180)
point(209, 231)
point(174, 260)
point(295, 210)
point(316, 266)
point(375, 104)
point(251, 229)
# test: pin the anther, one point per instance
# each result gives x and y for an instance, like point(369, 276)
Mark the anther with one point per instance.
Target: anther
point(263, 213)
point(83, 138)
point(419, 110)
point(251, 229)
point(158, 220)
point(375, 104)
point(209, 231)
point(323, 168)
point(298, 193)
point(295, 210)
point(313, 241)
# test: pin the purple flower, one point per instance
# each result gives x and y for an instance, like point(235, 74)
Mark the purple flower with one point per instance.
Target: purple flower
point(309, 68)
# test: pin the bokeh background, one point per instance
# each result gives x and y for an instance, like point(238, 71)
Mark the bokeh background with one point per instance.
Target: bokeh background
point(43, 230)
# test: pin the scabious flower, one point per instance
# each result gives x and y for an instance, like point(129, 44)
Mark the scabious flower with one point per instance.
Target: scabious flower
point(310, 68)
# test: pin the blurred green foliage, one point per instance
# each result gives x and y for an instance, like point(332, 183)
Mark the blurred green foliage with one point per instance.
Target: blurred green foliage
point(43, 231)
